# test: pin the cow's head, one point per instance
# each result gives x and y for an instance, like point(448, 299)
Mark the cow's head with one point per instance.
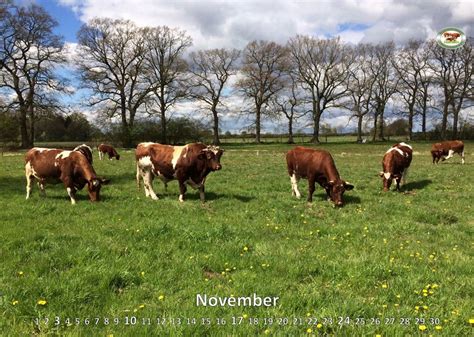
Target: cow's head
point(336, 190)
point(387, 179)
point(117, 156)
point(93, 187)
point(212, 156)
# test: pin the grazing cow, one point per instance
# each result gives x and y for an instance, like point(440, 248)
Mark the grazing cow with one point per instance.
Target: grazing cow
point(72, 168)
point(189, 164)
point(316, 166)
point(395, 164)
point(107, 149)
point(450, 36)
point(445, 150)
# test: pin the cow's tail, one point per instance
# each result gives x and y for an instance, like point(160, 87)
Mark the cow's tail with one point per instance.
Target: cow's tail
point(138, 176)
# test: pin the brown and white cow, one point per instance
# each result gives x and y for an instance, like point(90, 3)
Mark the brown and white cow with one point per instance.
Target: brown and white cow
point(445, 150)
point(107, 149)
point(395, 164)
point(189, 164)
point(316, 166)
point(72, 168)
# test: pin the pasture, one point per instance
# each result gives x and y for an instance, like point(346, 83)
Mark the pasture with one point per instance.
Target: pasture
point(393, 263)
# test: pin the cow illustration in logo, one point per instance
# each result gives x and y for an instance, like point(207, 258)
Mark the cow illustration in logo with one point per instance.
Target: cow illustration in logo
point(451, 38)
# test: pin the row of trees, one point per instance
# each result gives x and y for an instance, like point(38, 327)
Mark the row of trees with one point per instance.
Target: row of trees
point(132, 71)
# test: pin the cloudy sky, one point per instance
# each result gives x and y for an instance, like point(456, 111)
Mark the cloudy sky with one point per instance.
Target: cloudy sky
point(214, 24)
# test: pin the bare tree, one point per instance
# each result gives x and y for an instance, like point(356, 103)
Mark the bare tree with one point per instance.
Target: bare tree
point(409, 64)
point(210, 71)
point(29, 52)
point(322, 66)
point(263, 68)
point(291, 102)
point(381, 68)
point(360, 84)
point(111, 62)
point(165, 68)
point(453, 74)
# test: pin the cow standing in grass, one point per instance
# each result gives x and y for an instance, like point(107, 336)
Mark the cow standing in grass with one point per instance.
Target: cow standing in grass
point(316, 166)
point(72, 168)
point(395, 164)
point(189, 164)
point(104, 149)
point(445, 150)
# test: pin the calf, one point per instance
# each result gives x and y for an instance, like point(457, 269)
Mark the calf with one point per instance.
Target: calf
point(445, 150)
point(316, 166)
point(189, 164)
point(395, 164)
point(72, 168)
point(107, 149)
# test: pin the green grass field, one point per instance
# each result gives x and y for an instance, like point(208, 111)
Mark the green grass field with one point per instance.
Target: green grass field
point(394, 263)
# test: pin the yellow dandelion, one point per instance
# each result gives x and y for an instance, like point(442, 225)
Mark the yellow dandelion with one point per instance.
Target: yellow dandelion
point(141, 306)
point(266, 332)
point(42, 302)
point(161, 297)
point(308, 314)
point(438, 327)
point(385, 286)
point(384, 306)
point(110, 335)
point(15, 302)
point(422, 327)
point(245, 316)
point(142, 273)
point(378, 335)
point(319, 326)
point(20, 273)
point(309, 330)
point(398, 296)
point(425, 307)
point(246, 248)
point(206, 279)
point(471, 320)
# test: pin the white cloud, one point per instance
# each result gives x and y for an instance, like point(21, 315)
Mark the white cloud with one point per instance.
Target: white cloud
point(233, 24)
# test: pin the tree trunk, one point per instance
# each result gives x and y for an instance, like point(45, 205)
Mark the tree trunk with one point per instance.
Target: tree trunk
point(316, 121)
point(359, 129)
point(410, 124)
point(444, 122)
point(31, 138)
point(257, 124)
point(163, 125)
point(381, 113)
point(455, 123)
point(216, 140)
point(23, 129)
point(374, 138)
point(290, 131)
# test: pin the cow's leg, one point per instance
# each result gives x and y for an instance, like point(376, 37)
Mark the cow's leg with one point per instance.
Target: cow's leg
point(41, 188)
point(462, 157)
point(311, 187)
point(397, 180)
point(201, 193)
point(100, 155)
point(29, 180)
point(138, 176)
point(182, 190)
point(294, 186)
point(148, 182)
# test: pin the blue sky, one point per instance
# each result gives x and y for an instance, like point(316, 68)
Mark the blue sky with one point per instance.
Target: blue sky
point(68, 21)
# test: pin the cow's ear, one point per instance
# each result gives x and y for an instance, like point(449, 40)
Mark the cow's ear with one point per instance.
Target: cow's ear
point(348, 186)
point(104, 181)
point(380, 174)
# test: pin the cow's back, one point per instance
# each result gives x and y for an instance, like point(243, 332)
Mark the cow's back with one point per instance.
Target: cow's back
point(304, 161)
point(42, 162)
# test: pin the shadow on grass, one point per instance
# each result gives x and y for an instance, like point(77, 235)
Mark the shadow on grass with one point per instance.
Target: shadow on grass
point(416, 185)
point(194, 195)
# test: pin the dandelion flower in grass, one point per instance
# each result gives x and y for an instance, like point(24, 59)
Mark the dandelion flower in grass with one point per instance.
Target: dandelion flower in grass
point(438, 327)
point(161, 297)
point(42, 302)
point(309, 330)
point(266, 332)
point(20, 273)
point(319, 326)
point(245, 316)
point(142, 273)
point(15, 302)
point(378, 335)
point(246, 248)
point(141, 306)
point(385, 286)
point(422, 327)
point(471, 320)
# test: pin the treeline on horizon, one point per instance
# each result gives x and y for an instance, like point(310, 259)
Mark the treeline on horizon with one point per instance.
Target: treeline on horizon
point(136, 76)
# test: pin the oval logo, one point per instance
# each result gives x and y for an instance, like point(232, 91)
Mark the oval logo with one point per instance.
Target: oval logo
point(451, 38)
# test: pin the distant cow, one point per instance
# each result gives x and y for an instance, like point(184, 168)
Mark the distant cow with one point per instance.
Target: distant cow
point(395, 164)
point(445, 150)
point(316, 166)
point(450, 36)
point(72, 168)
point(107, 149)
point(189, 164)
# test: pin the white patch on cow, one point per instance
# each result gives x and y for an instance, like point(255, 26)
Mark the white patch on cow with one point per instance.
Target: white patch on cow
point(405, 144)
point(386, 175)
point(462, 157)
point(396, 149)
point(41, 149)
point(145, 162)
point(81, 146)
point(450, 154)
point(63, 154)
point(181, 198)
point(294, 186)
point(71, 195)
point(177, 154)
point(145, 144)
point(28, 174)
